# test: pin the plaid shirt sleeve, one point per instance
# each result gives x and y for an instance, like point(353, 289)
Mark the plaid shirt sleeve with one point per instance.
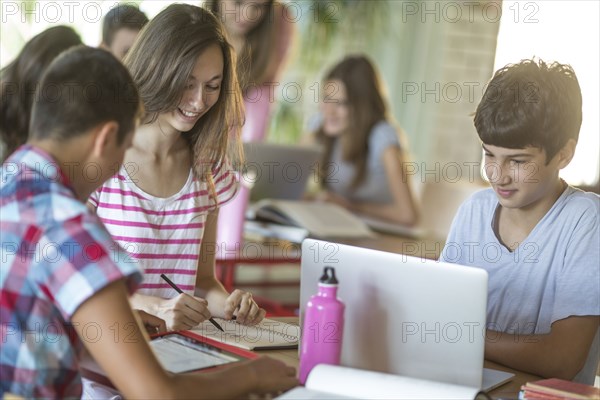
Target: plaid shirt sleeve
point(80, 259)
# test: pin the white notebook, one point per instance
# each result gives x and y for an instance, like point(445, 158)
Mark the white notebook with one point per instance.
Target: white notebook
point(268, 334)
point(334, 382)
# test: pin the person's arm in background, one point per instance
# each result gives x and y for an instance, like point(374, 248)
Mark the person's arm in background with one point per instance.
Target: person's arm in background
point(560, 354)
point(123, 352)
point(258, 99)
point(221, 303)
point(403, 210)
point(285, 33)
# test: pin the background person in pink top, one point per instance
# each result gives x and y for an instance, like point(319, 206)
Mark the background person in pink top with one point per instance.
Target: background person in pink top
point(162, 205)
point(261, 33)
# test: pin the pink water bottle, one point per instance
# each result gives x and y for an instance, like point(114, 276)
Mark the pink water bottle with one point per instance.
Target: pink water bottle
point(323, 326)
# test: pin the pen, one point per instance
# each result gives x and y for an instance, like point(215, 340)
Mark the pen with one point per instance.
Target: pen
point(174, 286)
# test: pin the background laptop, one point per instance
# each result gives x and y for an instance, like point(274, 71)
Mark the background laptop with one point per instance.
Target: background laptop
point(280, 171)
point(404, 315)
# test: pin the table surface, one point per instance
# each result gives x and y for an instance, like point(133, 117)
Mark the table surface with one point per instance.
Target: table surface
point(508, 390)
point(426, 247)
point(290, 357)
point(279, 251)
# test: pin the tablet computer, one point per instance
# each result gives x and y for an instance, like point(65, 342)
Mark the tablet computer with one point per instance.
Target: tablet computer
point(184, 351)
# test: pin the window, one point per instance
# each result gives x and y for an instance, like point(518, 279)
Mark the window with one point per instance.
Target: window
point(567, 32)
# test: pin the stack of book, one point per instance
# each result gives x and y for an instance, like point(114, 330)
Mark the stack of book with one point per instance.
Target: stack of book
point(554, 389)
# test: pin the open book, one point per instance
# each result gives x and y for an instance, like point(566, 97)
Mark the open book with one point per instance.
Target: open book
point(321, 220)
point(334, 382)
point(268, 334)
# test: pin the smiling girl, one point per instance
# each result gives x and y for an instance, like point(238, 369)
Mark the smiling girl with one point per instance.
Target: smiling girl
point(162, 205)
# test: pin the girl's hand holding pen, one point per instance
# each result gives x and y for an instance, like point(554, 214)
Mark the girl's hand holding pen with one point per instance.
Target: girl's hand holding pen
point(178, 290)
point(183, 311)
point(242, 306)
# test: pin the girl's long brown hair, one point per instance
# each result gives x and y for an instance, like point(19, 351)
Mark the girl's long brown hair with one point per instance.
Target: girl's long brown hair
point(258, 52)
point(160, 62)
point(366, 107)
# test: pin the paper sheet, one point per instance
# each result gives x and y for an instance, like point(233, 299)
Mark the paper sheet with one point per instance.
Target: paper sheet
point(360, 384)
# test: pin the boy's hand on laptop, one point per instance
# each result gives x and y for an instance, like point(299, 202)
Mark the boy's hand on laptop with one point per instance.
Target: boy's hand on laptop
point(183, 312)
point(242, 305)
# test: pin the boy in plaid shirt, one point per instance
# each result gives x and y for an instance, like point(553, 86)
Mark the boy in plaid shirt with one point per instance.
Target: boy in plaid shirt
point(64, 282)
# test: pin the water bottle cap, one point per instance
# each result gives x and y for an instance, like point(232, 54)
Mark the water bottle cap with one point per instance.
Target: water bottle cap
point(328, 276)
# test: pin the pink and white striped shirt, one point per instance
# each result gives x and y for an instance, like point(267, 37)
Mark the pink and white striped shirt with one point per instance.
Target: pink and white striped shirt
point(162, 234)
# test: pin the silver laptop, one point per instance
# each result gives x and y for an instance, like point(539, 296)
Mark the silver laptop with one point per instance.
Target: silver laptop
point(404, 315)
point(279, 171)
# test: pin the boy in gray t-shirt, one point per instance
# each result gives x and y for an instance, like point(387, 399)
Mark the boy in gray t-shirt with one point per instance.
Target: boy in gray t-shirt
point(537, 237)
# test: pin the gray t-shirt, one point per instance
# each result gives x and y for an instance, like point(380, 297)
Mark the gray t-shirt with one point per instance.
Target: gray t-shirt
point(375, 187)
point(553, 274)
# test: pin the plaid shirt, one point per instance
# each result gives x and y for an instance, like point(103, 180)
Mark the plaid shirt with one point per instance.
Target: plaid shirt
point(55, 255)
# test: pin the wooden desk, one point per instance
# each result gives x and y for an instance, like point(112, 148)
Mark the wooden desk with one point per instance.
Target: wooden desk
point(290, 357)
point(272, 252)
point(508, 390)
point(417, 247)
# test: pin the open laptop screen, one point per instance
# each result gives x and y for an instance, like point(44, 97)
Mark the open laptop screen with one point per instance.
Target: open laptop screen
point(280, 171)
point(404, 315)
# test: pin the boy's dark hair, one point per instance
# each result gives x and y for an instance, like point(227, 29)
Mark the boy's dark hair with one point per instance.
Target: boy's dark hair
point(21, 77)
point(122, 16)
point(82, 88)
point(531, 104)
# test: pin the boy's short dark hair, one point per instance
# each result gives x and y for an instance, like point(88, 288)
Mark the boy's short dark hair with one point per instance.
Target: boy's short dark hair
point(80, 89)
point(531, 104)
point(122, 16)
